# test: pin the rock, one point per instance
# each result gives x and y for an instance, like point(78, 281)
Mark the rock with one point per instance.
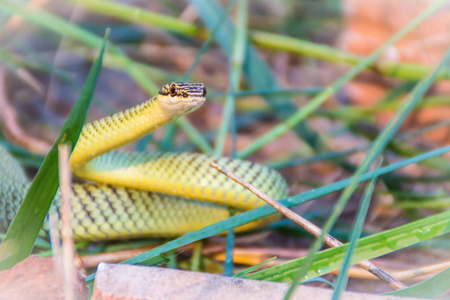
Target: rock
point(37, 278)
point(140, 282)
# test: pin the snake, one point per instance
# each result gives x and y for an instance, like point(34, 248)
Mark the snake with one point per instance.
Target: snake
point(128, 195)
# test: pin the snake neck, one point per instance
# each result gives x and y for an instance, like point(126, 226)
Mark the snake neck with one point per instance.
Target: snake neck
point(104, 135)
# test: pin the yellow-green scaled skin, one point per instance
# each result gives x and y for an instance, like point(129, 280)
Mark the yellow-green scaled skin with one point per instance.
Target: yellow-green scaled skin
point(146, 194)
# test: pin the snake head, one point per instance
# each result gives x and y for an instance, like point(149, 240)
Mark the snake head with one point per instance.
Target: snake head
point(182, 97)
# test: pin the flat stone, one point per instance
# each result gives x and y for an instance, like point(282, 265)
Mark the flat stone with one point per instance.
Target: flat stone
point(141, 282)
point(36, 278)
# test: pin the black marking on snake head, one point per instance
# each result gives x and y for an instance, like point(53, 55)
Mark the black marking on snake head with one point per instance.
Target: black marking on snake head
point(184, 89)
point(164, 90)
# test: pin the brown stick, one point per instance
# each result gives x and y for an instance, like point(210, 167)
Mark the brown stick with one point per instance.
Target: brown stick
point(10, 123)
point(68, 244)
point(310, 227)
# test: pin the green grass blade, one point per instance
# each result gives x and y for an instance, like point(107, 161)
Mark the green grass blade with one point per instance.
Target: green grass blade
point(254, 268)
point(286, 163)
point(229, 112)
point(298, 46)
point(401, 149)
point(117, 56)
point(309, 91)
point(257, 71)
point(430, 204)
point(308, 159)
point(267, 210)
point(169, 134)
point(51, 22)
point(194, 135)
point(134, 14)
point(21, 235)
point(196, 258)
point(228, 267)
point(138, 15)
point(368, 248)
point(209, 40)
point(65, 28)
point(237, 59)
point(430, 288)
point(184, 123)
point(318, 100)
point(377, 147)
point(354, 235)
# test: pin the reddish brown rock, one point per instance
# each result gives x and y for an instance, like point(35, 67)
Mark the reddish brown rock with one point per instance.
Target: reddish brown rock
point(36, 278)
point(368, 24)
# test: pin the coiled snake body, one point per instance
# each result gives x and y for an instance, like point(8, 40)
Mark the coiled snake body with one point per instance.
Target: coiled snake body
point(145, 194)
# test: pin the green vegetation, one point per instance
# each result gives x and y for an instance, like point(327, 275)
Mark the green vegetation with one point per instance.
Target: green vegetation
point(250, 75)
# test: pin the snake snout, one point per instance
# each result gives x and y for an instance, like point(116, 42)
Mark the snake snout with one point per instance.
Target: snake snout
point(183, 97)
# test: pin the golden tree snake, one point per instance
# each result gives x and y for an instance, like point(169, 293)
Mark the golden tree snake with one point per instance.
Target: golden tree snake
point(146, 194)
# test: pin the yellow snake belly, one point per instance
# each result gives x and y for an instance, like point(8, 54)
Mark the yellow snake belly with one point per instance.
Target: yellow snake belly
point(147, 194)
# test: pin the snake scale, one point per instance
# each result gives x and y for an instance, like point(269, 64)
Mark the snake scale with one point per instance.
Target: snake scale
point(145, 194)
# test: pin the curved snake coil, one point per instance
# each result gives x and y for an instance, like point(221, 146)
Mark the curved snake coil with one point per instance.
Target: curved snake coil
point(139, 194)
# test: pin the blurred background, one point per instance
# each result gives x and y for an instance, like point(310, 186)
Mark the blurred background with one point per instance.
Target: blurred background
point(47, 47)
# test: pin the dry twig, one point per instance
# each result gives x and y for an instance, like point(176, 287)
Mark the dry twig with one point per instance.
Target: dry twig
point(68, 244)
point(406, 274)
point(308, 226)
point(10, 123)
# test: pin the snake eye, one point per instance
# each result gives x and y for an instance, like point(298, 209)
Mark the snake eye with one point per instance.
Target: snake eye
point(173, 90)
point(204, 92)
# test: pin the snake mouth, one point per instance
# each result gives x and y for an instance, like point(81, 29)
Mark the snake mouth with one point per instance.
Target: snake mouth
point(194, 104)
point(181, 106)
